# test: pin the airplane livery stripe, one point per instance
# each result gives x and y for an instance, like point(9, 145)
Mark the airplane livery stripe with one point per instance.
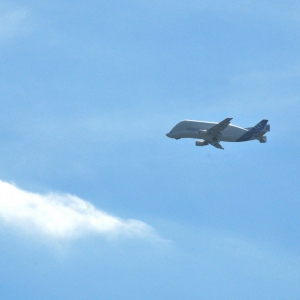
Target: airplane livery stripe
point(256, 129)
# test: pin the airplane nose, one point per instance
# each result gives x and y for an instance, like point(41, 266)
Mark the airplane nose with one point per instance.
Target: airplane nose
point(168, 134)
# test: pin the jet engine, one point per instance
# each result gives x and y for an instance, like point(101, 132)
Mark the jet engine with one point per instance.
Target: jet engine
point(201, 143)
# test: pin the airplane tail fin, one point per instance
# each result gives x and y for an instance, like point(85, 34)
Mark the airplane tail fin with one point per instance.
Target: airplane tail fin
point(254, 131)
point(259, 127)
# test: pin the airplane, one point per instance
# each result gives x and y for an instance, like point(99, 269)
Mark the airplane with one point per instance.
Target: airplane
point(211, 133)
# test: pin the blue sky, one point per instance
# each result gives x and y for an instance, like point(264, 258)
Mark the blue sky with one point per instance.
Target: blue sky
point(96, 202)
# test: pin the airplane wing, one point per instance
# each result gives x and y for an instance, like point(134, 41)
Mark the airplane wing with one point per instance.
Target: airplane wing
point(215, 131)
point(220, 126)
point(216, 144)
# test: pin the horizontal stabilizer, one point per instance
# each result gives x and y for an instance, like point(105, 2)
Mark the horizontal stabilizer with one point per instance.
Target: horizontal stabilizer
point(262, 139)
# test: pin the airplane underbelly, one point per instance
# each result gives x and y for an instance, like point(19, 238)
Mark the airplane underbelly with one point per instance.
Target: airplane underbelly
point(228, 138)
point(232, 134)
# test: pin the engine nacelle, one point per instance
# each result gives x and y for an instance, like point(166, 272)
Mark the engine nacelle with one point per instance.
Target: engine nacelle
point(201, 143)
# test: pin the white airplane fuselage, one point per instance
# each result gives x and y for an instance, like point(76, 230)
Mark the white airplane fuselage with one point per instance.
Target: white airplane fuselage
point(213, 133)
point(199, 130)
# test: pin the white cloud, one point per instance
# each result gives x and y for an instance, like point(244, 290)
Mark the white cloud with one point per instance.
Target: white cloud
point(12, 21)
point(62, 216)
